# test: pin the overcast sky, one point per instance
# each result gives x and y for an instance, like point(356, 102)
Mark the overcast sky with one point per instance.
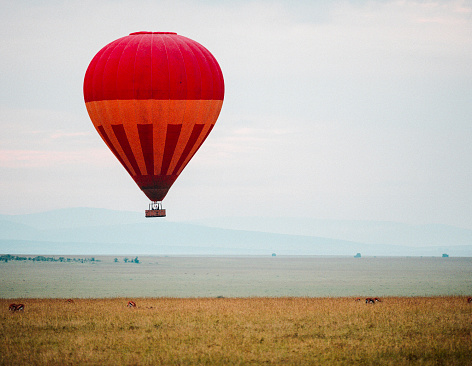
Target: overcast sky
point(358, 110)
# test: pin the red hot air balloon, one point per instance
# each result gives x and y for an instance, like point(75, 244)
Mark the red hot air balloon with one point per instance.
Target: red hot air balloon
point(154, 97)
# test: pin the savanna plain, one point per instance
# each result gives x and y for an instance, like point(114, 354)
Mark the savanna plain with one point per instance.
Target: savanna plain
point(215, 325)
point(238, 331)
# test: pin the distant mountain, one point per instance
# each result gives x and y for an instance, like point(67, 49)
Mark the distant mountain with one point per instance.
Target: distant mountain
point(107, 232)
point(370, 232)
point(75, 217)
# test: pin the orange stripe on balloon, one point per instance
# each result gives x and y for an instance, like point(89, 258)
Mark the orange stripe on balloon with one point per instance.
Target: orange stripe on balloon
point(159, 110)
point(125, 112)
point(190, 117)
point(134, 115)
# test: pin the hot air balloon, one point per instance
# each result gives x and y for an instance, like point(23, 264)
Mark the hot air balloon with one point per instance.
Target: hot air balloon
point(154, 97)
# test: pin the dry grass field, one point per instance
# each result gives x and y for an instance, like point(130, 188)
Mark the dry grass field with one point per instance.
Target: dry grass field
point(237, 331)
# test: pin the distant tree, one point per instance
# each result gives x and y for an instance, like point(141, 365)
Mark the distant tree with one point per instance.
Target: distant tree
point(358, 255)
point(274, 254)
point(136, 260)
point(445, 255)
point(126, 260)
point(116, 260)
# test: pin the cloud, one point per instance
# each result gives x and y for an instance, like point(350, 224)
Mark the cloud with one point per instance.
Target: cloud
point(18, 159)
point(66, 135)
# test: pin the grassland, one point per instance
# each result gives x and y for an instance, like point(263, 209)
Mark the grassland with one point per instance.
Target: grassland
point(238, 331)
point(238, 277)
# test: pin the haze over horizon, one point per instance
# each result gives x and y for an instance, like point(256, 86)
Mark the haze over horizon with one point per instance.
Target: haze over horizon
point(333, 110)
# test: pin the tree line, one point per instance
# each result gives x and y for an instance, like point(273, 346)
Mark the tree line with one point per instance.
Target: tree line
point(41, 258)
point(127, 260)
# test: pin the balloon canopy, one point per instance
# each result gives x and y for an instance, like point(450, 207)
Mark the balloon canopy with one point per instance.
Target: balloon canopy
point(154, 97)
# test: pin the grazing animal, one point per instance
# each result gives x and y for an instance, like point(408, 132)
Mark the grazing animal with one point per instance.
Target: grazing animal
point(469, 300)
point(377, 299)
point(131, 304)
point(358, 299)
point(16, 307)
point(369, 300)
point(70, 301)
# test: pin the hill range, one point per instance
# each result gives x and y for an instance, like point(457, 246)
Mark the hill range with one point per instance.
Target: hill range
point(91, 231)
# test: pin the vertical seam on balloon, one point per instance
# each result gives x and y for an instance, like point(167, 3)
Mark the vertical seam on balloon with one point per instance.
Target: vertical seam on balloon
point(141, 37)
point(186, 43)
point(204, 63)
point(202, 51)
point(202, 113)
point(106, 120)
point(104, 66)
point(185, 71)
point(196, 47)
point(177, 43)
point(185, 111)
point(94, 97)
point(152, 85)
point(217, 75)
point(118, 65)
point(139, 151)
point(119, 62)
point(163, 39)
point(88, 80)
point(119, 106)
point(198, 68)
point(151, 113)
point(105, 106)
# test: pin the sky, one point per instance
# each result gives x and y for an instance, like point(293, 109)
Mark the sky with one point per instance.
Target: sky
point(347, 110)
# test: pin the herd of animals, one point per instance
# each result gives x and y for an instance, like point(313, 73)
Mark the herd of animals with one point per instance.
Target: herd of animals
point(132, 304)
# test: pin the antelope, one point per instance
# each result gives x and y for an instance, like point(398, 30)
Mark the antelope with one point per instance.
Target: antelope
point(131, 304)
point(369, 300)
point(70, 301)
point(16, 307)
point(469, 300)
point(377, 299)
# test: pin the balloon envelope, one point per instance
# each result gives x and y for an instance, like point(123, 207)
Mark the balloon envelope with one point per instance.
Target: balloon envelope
point(154, 97)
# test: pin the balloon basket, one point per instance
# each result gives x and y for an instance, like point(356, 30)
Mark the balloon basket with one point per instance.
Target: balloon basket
point(155, 210)
point(155, 213)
